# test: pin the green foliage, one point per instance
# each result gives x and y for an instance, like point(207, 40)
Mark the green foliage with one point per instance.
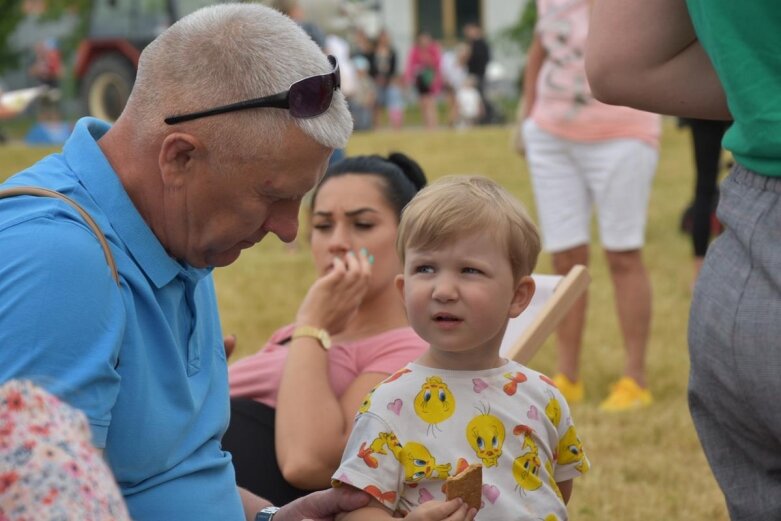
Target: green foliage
point(55, 9)
point(517, 38)
point(522, 32)
point(12, 15)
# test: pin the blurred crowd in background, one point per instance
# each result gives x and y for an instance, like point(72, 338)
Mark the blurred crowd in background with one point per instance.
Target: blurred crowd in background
point(380, 84)
point(429, 81)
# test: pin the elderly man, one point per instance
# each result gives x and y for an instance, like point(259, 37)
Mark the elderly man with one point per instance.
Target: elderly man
point(232, 119)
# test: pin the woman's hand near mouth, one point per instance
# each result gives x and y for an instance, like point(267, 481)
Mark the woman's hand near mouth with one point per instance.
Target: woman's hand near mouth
point(333, 299)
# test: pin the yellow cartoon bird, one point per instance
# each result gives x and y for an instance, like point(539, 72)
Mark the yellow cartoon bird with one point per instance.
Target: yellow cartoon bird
point(434, 403)
point(485, 434)
point(553, 411)
point(552, 480)
point(367, 401)
point(418, 463)
point(415, 458)
point(570, 450)
point(526, 467)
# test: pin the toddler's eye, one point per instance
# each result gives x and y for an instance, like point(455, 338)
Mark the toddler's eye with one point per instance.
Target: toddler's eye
point(471, 270)
point(424, 269)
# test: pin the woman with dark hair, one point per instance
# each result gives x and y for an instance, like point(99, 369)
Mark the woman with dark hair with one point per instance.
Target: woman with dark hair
point(293, 402)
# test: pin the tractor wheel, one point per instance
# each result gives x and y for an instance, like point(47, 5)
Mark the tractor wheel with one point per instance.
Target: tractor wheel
point(106, 87)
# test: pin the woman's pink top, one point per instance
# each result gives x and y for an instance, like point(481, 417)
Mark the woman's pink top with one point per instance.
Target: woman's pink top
point(564, 105)
point(258, 376)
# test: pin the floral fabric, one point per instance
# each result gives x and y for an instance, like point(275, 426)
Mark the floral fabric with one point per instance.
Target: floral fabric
point(49, 469)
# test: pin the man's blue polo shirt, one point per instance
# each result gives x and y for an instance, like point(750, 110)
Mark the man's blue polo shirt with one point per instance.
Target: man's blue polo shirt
point(144, 361)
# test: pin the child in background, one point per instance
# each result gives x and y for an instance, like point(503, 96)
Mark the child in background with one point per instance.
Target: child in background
point(394, 102)
point(468, 249)
point(364, 95)
point(469, 103)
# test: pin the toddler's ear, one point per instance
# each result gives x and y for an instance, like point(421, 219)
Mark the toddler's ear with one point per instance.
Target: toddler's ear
point(524, 292)
point(399, 282)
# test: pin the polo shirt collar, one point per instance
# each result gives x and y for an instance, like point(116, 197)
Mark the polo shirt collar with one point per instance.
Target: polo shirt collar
point(91, 167)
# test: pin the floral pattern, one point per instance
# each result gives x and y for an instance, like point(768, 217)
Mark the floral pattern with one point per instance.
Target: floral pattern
point(49, 469)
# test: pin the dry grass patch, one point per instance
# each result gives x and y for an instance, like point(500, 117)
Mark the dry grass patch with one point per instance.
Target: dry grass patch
point(645, 465)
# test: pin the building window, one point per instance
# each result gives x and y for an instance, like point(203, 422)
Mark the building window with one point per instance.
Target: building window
point(445, 19)
point(467, 11)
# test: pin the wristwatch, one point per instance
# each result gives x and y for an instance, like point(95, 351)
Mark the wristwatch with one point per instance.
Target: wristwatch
point(321, 335)
point(267, 514)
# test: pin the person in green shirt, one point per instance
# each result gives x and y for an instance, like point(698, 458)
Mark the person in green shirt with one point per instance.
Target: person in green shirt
point(719, 59)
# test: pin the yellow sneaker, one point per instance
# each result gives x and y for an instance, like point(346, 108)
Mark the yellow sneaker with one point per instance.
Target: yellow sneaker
point(572, 391)
point(626, 395)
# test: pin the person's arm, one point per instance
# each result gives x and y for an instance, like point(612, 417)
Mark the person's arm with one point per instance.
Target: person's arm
point(323, 505)
point(646, 55)
point(565, 487)
point(61, 313)
point(534, 60)
point(410, 67)
point(453, 510)
point(251, 503)
point(392, 67)
point(436, 85)
point(312, 423)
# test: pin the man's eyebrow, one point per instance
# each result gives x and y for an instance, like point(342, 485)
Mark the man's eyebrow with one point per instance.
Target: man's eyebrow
point(351, 213)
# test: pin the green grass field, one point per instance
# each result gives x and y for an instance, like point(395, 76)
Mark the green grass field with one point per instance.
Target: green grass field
point(645, 465)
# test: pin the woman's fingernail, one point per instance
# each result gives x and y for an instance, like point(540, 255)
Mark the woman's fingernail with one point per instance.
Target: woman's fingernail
point(351, 253)
point(371, 259)
point(364, 251)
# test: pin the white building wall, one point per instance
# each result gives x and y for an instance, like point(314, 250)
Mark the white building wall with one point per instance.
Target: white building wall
point(498, 15)
point(398, 18)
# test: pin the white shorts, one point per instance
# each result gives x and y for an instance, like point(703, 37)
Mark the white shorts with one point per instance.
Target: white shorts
point(571, 177)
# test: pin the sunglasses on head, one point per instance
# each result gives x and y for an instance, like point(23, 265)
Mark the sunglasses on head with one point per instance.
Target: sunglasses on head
point(305, 98)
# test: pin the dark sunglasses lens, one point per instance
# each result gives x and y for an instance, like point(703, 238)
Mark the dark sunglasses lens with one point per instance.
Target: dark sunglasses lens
point(311, 96)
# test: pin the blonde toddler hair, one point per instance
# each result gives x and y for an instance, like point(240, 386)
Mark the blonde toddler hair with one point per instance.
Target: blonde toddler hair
point(454, 207)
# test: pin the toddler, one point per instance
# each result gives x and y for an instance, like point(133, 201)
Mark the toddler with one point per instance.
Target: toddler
point(468, 249)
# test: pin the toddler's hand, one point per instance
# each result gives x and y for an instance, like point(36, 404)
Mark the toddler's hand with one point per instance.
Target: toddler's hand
point(453, 510)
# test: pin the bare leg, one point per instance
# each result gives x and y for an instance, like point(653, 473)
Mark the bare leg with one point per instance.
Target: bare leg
point(697, 267)
point(633, 302)
point(429, 108)
point(569, 338)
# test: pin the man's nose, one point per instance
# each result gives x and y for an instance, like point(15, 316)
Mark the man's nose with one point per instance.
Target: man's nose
point(283, 220)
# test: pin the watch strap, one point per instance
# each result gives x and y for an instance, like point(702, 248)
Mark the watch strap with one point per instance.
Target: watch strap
point(266, 514)
point(321, 335)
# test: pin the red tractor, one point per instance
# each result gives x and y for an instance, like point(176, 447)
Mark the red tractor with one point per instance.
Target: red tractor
point(107, 59)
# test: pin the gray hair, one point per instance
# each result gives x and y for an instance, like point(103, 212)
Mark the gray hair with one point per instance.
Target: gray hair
point(227, 53)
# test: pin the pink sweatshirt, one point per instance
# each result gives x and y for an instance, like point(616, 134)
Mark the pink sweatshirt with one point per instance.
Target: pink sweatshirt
point(420, 58)
point(258, 376)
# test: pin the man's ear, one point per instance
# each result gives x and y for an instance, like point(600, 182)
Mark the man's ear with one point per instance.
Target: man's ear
point(177, 154)
point(399, 282)
point(523, 294)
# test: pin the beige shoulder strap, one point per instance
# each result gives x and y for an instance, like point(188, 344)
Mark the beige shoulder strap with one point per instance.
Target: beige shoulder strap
point(44, 192)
